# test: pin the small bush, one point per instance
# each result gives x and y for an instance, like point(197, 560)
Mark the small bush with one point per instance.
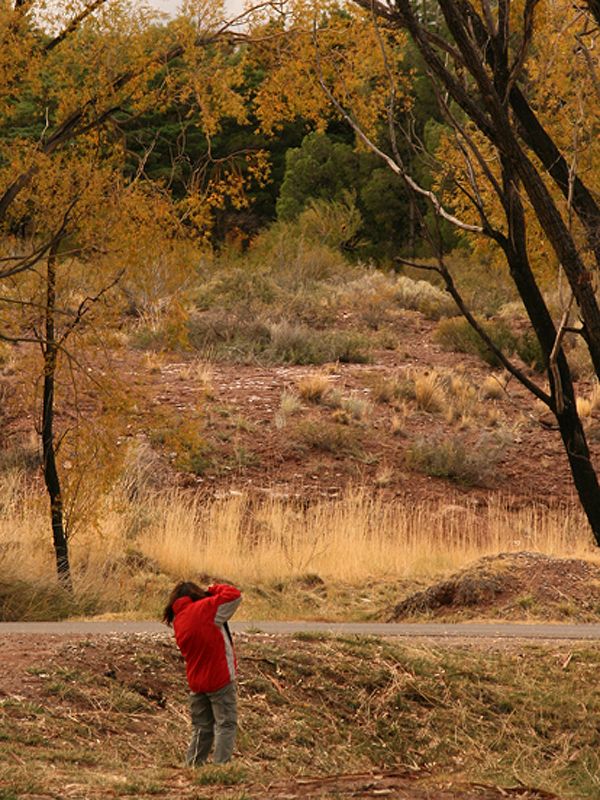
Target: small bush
point(289, 403)
point(334, 399)
point(468, 463)
point(227, 334)
point(463, 398)
point(347, 347)
point(184, 441)
point(493, 387)
point(587, 405)
point(234, 287)
point(431, 301)
point(329, 437)
point(356, 407)
point(398, 425)
point(459, 336)
point(295, 344)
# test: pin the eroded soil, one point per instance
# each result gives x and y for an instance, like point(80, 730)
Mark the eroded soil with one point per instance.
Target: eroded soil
point(511, 586)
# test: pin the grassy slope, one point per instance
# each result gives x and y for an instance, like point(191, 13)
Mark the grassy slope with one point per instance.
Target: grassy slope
point(107, 718)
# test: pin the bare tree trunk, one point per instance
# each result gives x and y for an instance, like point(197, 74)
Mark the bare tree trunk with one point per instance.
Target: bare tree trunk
point(51, 477)
point(563, 401)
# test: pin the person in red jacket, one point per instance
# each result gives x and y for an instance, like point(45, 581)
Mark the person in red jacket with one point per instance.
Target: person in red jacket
point(199, 618)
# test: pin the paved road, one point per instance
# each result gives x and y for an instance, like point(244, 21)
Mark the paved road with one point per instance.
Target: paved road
point(464, 630)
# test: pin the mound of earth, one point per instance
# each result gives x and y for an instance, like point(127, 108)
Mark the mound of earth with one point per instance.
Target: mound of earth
point(512, 586)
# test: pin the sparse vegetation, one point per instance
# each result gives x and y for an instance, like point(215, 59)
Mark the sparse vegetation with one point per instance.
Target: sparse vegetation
point(328, 437)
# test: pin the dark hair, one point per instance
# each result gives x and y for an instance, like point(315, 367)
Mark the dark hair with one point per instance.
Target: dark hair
point(183, 589)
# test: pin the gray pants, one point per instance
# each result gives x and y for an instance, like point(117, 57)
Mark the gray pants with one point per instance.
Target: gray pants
point(214, 717)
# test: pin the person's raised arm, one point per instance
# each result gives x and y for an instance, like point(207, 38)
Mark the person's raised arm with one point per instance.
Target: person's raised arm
point(227, 599)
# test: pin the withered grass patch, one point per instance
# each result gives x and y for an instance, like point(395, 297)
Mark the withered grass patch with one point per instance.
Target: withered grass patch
point(308, 706)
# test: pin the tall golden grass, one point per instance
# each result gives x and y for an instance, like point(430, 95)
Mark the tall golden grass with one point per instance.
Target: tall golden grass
point(257, 540)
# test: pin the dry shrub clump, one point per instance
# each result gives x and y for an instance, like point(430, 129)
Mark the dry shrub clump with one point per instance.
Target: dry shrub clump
point(356, 406)
point(394, 389)
point(586, 406)
point(314, 388)
point(493, 387)
point(429, 392)
point(328, 437)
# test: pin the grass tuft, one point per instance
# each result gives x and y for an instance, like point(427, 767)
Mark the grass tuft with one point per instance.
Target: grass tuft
point(314, 388)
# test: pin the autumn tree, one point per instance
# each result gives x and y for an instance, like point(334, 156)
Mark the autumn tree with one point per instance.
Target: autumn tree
point(73, 224)
point(517, 83)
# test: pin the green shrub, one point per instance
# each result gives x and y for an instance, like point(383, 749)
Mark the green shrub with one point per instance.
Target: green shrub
point(455, 458)
point(298, 344)
point(328, 437)
point(457, 335)
point(232, 287)
point(348, 347)
point(294, 344)
point(529, 350)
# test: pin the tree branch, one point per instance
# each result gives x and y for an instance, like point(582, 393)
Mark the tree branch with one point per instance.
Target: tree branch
point(443, 271)
point(398, 169)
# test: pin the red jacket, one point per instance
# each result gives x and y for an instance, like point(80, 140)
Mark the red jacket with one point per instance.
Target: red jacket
point(203, 641)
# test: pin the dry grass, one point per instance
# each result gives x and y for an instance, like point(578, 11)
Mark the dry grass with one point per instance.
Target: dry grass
point(200, 372)
point(129, 557)
point(429, 392)
point(493, 387)
point(314, 388)
point(394, 389)
point(289, 405)
point(357, 407)
point(587, 405)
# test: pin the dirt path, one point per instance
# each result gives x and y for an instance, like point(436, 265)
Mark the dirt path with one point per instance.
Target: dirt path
point(465, 630)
